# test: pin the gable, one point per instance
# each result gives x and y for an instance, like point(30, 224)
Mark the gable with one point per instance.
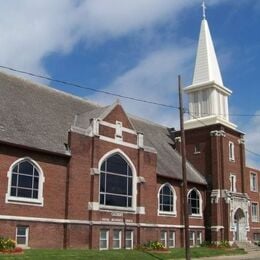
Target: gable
point(117, 114)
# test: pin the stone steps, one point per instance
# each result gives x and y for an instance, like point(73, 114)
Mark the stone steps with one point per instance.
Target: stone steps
point(248, 247)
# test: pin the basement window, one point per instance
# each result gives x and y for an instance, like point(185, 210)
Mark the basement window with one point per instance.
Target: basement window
point(22, 235)
point(196, 148)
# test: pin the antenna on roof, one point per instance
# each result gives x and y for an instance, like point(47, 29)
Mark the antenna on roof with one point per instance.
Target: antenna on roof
point(204, 9)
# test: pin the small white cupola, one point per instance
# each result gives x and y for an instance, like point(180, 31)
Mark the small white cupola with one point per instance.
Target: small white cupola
point(208, 97)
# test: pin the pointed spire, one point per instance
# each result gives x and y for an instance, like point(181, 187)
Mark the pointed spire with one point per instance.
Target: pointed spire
point(208, 97)
point(206, 66)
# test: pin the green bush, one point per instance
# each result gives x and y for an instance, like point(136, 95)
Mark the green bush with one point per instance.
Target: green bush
point(206, 244)
point(154, 245)
point(257, 243)
point(224, 244)
point(7, 244)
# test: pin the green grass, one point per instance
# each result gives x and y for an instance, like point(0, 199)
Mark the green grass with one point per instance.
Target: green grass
point(118, 254)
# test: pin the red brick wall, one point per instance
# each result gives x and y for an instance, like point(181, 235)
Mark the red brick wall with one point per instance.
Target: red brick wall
point(54, 169)
point(84, 188)
point(41, 235)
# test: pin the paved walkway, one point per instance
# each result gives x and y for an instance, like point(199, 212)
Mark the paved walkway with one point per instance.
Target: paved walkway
point(252, 256)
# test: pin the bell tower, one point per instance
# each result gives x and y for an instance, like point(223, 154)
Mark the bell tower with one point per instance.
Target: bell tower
point(208, 97)
point(215, 147)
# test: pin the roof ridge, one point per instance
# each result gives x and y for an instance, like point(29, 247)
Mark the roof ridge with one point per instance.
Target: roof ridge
point(48, 88)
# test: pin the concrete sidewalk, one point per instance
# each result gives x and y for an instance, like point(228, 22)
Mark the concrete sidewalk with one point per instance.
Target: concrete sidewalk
point(255, 255)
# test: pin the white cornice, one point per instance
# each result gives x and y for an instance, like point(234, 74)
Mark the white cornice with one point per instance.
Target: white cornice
point(207, 121)
point(207, 84)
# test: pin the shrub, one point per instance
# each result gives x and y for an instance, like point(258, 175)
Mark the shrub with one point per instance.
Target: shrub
point(257, 243)
point(224, 244)
point(7, 244)
point(209, 244)
point(153, 245)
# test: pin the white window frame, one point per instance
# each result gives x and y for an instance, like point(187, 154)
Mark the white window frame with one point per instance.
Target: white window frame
point(163, 238)
point(198, 238)
point(106, 239)
point(197, 148)
point(200, 202)
point(171, 213)
point(119, 239)
point(134, 180)
point(231, 151)
point(253, 175)
point(233, 181)
point(131, 232)
point(192, 238)
point(26, 236)
point(172, 238)
point(255, 218)
point(20, 200)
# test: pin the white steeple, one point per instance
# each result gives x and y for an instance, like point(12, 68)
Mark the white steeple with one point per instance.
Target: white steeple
point(208, 98)
point(206, 66)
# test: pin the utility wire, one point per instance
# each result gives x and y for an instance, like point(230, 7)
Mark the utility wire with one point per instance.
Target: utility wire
point(110, 93)
point(118, 95)
point(196, 118)
point(88, 88)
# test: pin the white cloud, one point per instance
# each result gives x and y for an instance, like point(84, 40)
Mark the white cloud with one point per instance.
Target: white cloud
point(154, 78)
point(31, 30)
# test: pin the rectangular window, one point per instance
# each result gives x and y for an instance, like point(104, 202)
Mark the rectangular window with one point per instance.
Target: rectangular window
point(197, 148)
point(192, 238)
point(233, 179)
point(198, 238)
point(254, 212)
point(119, 130)
point(171, 241)
point(22, 236)
point(117, 239)
point(231, 151)
point(164, 238)
point(253, 182)
point(196, 105)
point(103, 239)
point(256, 236)
point(129, 239)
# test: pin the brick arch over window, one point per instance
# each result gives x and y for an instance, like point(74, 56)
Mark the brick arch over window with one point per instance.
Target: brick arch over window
point(194, 202)
point(117, 184)
point(25, 182)
point(167, 199)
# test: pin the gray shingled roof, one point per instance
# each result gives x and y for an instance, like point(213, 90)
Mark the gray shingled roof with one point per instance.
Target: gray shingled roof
point(39, 117)
point(168, 160)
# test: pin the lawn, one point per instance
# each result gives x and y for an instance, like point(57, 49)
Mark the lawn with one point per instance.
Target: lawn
point(118, 254)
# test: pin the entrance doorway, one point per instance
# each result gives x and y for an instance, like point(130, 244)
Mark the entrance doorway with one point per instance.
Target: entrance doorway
point(240, 224)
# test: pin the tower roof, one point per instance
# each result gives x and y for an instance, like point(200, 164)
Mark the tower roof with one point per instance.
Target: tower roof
point(206, 66)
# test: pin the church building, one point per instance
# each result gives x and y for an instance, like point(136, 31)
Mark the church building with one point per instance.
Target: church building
point(75, 174)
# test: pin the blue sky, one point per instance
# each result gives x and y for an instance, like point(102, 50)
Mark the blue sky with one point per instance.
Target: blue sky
point(137, 48)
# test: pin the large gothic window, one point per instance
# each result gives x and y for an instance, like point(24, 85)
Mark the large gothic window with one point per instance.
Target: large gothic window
point(25, 182)
point(194, 202)
point(116, 182)
point(167, 199)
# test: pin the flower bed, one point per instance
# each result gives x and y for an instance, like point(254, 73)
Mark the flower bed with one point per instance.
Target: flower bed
point(17, 250)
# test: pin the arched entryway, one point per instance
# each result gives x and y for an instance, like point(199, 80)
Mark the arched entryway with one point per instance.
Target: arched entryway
point(240, 225)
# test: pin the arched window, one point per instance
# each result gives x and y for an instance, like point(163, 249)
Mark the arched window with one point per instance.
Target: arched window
point(194, 202)
point(25, 182)
point(116, 182)
point(167, 199)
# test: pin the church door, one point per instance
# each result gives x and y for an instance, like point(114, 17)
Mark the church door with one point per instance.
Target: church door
point(240, 224)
